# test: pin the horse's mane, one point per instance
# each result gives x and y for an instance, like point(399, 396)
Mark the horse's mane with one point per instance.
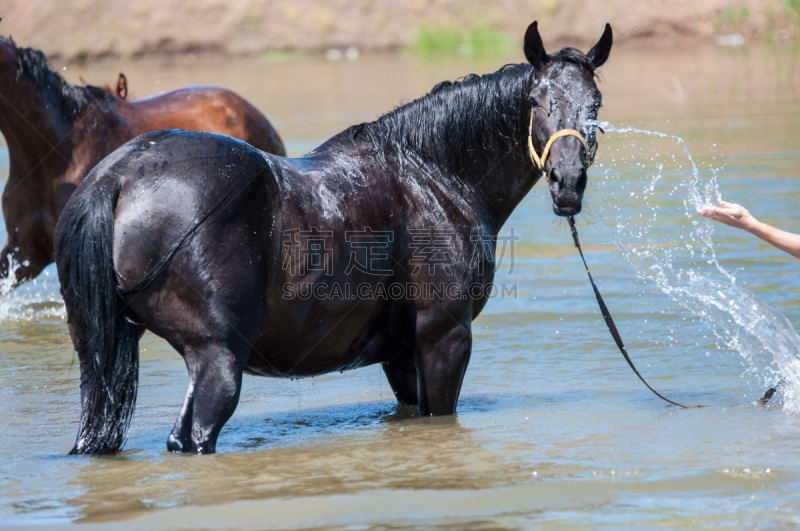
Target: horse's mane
point(34, 63)
point(457, 122)
point(461, 122)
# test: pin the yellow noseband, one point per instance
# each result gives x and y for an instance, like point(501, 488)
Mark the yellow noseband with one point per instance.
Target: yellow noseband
point(539, 162)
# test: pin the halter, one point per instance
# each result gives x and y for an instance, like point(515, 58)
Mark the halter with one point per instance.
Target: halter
point(540, 162)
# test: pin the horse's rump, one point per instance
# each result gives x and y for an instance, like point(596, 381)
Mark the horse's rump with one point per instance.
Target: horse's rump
point(179, 185)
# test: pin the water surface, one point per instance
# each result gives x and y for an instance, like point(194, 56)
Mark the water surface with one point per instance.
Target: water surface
point(553, 430)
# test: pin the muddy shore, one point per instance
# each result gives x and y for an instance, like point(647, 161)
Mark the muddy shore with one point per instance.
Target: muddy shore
point(80, 30)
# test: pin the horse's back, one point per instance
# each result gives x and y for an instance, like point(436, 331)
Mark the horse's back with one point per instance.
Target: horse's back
point(207, 109)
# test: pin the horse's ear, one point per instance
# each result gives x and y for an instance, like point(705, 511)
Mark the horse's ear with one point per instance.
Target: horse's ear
point(534, 48)
point(600, 51)
point(122, 86)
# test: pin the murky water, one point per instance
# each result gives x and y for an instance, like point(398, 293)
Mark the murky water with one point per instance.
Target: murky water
point(553, 429)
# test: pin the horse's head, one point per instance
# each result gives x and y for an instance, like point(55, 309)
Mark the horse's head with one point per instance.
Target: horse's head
point(9, 61)
point(27, 83)
point(564, 96)
point(20, 68)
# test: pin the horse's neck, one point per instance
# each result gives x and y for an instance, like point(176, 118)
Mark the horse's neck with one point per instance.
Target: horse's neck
point(503, 187)
point(500, 174)
point(498, 179)
point(35, 145)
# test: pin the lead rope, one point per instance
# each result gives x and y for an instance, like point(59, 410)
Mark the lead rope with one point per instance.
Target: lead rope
point(539, 163)
point(610, 321)
point(769, 393)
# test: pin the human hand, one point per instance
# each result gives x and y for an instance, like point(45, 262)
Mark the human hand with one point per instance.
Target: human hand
point(729, 214)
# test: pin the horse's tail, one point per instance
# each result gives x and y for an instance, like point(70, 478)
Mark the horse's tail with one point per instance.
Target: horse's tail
point(100, 322)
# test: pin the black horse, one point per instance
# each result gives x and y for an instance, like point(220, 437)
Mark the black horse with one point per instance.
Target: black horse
point(377, 247)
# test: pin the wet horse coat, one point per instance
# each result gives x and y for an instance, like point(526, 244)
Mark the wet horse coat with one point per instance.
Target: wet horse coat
point(201, 230)
point(57, 132)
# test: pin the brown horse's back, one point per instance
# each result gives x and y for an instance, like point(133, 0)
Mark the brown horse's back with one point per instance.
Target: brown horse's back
point(67, 130)
point(212, 109)
point(34, 198)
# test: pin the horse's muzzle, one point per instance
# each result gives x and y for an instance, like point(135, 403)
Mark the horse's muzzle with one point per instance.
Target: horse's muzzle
point(567, 210)
point(567, 193)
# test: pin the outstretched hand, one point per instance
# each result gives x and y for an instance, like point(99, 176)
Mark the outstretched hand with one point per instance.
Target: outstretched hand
point(729, 214)
point(738, 216)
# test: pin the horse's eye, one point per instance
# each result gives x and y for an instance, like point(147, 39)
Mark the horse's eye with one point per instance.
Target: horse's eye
point(534, 103)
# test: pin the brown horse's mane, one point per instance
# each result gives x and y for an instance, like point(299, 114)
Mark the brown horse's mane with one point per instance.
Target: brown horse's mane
point(34, 63)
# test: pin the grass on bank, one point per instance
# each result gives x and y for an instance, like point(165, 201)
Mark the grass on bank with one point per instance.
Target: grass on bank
point(792, 8)
point(477, 42)
point(281, 56)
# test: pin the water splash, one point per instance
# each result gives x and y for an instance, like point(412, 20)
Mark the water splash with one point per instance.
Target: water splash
point(669, 244)
point(38, 299)
point(760, 333)
point(7, 283)
point(699, 194)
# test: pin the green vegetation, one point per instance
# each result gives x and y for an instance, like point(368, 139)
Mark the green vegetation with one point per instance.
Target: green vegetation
point(280, 57)
point(737, 15)
point(792, 8)
point(474, 42)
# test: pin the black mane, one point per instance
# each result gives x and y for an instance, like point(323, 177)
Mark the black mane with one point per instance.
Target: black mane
point(457, 122)
point(34, 63)
point(460, 122)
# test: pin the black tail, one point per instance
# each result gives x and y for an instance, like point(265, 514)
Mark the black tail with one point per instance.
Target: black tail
point(103, 334)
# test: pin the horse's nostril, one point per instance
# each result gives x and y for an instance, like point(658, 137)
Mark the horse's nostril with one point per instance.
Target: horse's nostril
point(580, 184)
point(555, 176)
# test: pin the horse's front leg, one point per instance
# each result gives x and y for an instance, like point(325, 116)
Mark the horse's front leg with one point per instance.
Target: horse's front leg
point(443, 347)
point(28, 250)
point(5, 260)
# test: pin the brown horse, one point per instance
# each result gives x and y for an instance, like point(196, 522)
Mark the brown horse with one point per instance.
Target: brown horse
point(57, 132)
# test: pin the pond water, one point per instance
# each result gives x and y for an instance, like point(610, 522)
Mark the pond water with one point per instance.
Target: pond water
point(553, 429)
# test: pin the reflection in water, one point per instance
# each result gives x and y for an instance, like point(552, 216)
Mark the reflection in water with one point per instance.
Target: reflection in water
point(352, 449)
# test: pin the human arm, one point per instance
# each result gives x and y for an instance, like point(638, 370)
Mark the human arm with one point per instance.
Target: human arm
point(738, 216)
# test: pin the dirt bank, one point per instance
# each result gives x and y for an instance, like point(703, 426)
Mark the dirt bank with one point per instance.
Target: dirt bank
point(91, 29)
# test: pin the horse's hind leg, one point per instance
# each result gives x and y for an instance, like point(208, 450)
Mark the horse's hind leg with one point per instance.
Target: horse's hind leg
point(215, 381)
point(180, 439)
point(402, 376)
point(215, 338)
